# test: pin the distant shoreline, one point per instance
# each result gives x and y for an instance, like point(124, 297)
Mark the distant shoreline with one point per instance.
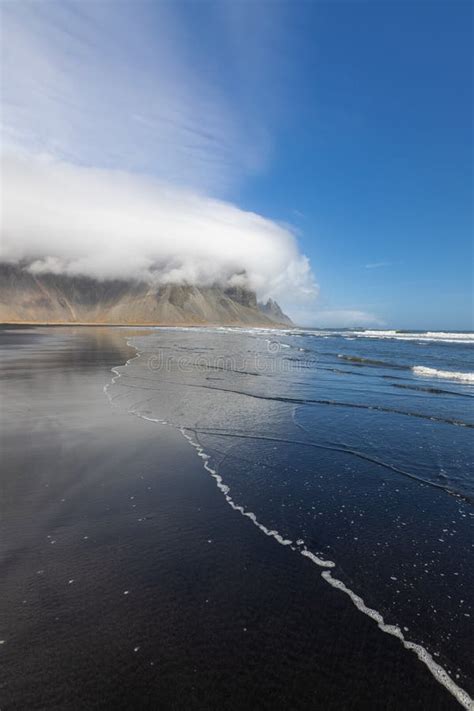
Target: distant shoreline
point(55, 324)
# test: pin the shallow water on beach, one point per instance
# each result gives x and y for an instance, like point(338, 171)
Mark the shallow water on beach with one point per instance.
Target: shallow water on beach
point(299, 535)
point(352, 448)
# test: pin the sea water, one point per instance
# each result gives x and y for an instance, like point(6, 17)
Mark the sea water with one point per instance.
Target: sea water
point(354, 448)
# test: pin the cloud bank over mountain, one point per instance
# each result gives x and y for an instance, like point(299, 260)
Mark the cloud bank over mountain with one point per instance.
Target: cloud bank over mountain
point(122, 146)
point(70, 219)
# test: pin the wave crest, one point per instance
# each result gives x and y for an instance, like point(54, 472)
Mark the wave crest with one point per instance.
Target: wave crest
point(446, 374)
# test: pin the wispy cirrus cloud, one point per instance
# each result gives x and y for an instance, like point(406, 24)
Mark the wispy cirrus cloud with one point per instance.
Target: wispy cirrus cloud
point(124, 86)
point(378, 265)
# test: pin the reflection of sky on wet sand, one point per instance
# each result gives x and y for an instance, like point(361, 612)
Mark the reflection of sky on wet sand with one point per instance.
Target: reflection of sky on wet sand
point(52, 401)
point(62, 347)
point(96, 502)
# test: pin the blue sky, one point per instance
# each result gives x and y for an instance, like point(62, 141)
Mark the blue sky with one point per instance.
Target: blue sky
point(348, 124)
point(376, 155)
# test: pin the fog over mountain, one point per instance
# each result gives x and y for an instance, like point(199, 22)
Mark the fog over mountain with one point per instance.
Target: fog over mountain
point(67, 219)
point(122, 159)
point(26, 297)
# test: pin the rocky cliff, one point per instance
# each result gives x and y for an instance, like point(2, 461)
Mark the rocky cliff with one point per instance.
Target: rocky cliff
point(273, 311)
point(61, 299)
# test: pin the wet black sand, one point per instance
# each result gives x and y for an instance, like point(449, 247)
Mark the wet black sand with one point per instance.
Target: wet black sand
point(96, 503)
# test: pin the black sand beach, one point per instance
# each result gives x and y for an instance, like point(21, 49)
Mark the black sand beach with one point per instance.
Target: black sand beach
point(127, 582)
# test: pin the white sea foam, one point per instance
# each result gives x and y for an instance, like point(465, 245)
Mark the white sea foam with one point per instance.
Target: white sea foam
point(274, 345)
point(317, 560)
point(440, 674)
point(250, 330)
point(445, 374)
point(423, 655)
point(441, 336)
point(423, 336)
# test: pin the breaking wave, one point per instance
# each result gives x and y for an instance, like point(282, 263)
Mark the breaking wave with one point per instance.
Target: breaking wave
point(446, 374)
point(439, 336)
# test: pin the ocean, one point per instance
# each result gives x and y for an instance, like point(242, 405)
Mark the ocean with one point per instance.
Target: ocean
point(352, 448)
point(202, 518)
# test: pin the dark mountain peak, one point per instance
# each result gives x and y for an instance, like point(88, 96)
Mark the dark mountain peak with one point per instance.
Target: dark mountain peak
point(59, 298)
point(272, 310)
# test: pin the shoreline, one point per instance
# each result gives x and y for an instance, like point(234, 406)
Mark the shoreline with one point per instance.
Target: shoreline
point(438, 671)
point(194, 324)
point(114, 525)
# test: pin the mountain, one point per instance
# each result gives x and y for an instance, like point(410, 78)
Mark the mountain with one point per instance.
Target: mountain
point(273, 311)
point(59, 299)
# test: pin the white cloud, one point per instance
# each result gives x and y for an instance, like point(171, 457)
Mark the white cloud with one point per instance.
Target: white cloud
point(109, 224)
point(335, 318)
point(118, 86)
point(378, 265)
point(97, 98)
